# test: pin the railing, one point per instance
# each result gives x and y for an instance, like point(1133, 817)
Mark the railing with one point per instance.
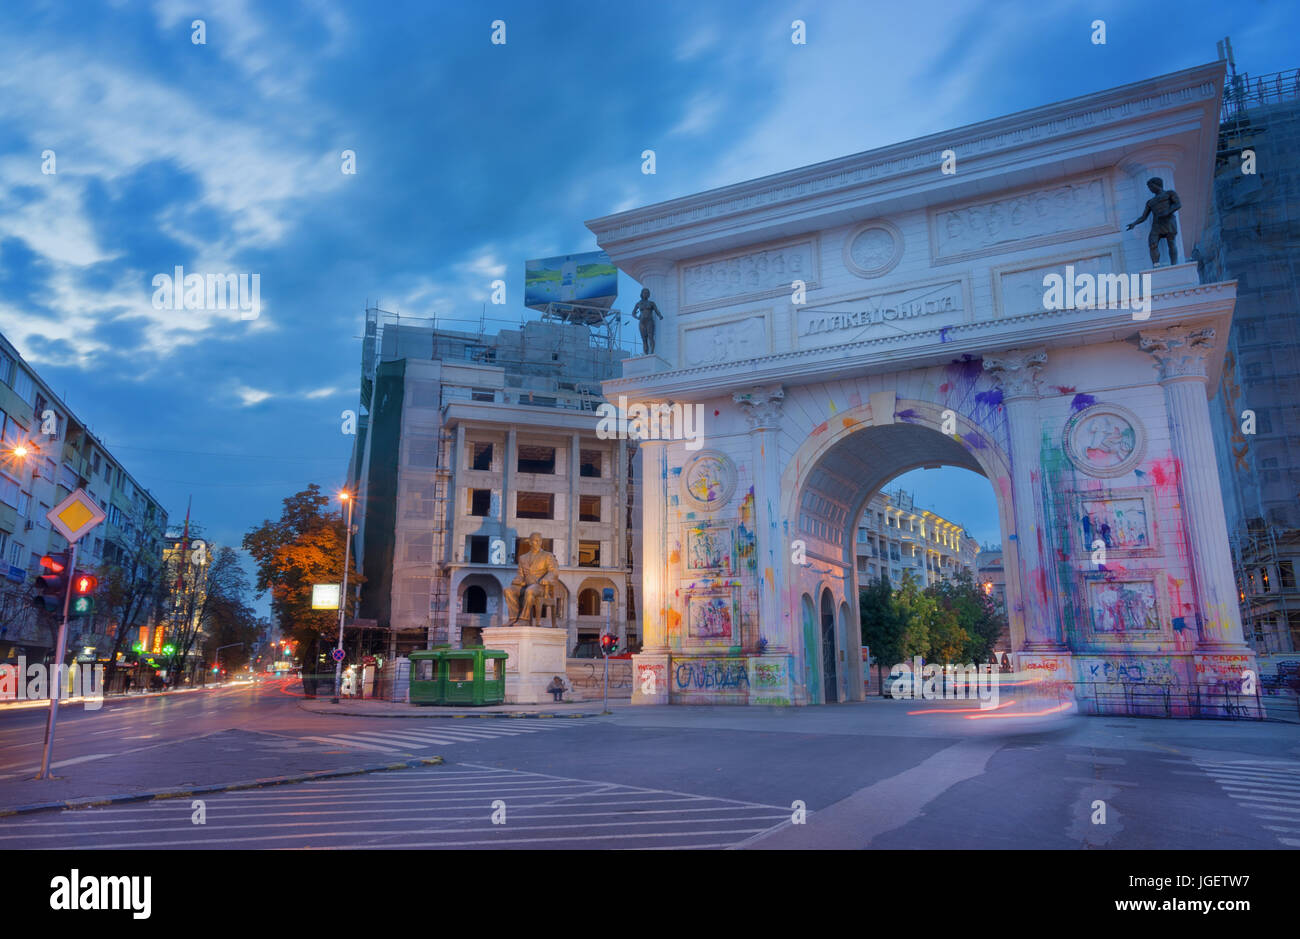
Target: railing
point(1223, 700)
point(1244, 93)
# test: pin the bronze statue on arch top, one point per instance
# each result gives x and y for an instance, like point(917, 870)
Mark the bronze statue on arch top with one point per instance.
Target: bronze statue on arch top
point(1161, 207)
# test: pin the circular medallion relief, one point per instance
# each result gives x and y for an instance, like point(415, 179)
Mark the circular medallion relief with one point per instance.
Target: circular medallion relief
point(1105, 440)
point(708, 480)
point(874, 249)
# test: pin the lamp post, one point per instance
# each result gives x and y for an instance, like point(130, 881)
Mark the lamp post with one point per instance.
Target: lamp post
point(217, 655)
point(343, 595)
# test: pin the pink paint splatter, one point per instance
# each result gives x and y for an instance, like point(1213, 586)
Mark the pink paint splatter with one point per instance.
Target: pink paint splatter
point(943, 389)
point(819, 429)
point(1064, 389)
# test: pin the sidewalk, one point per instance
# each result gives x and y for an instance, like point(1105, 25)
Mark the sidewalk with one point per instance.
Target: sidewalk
point(371, 707)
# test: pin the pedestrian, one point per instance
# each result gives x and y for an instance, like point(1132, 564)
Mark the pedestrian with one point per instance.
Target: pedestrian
point(556, 688)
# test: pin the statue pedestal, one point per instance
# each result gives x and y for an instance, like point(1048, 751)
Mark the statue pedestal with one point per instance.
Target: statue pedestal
point(643, 364)
point(536, 655)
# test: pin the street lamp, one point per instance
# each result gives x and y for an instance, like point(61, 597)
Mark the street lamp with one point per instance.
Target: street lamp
point(344, 496)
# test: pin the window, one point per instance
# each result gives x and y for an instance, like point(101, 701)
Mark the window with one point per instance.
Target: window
point(24, 504)
point(482, 394)
point(589, 508)
point(589, 554)
point(522, 547)
point(1263, 423)
point(460, 669)
point(475, 599)
point(480, 456)
point(534, 505)
point(16, 554)
point(537, 460)
point(480, 502)
point(94, 463)
point(589, 602)
point(6, 367)
point(23, 386)
point(1293, 624)
point(889, 521)
point(478, 549)
point(4, 536)
point(1286, 574)
point(8, 490)
point(589, 463)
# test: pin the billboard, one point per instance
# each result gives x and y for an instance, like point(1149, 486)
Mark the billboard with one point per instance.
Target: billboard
point(589, 279)
point(324, 596)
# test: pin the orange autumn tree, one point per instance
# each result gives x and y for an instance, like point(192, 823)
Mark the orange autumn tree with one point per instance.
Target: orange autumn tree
point(303, 547)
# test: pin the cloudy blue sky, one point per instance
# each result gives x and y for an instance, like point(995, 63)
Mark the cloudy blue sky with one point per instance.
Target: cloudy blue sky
point(470, 159)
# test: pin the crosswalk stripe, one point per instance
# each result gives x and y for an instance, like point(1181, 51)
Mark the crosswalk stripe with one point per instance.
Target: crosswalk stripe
point(338, 742)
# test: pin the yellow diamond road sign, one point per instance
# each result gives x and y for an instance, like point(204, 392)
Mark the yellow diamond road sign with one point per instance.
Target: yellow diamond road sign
point(75, 515)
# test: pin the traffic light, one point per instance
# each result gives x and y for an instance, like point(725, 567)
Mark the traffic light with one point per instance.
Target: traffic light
point(83, 589)
point(53, 584)
point(609, 643)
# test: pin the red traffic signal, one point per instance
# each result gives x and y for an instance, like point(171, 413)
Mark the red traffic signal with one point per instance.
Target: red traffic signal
point(55, 563)
point(609, 643)
point(84, 583)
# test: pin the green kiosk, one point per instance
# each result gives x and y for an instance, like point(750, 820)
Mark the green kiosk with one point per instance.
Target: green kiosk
point(475, 676)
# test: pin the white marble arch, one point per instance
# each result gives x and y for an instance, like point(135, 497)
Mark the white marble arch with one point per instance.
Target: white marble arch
point(881, 448)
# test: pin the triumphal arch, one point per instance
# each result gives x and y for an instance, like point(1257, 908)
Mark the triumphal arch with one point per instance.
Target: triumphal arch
point(977, 299)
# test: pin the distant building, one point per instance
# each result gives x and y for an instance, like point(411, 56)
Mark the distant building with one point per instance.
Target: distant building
point(62, 455)
point(991, 575)
point(894, 538)
point(466, 445)
point(1254, 238)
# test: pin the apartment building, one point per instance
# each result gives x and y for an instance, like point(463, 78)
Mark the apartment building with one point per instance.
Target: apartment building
point(895, 538)
point(47, 451)
point(466, 445)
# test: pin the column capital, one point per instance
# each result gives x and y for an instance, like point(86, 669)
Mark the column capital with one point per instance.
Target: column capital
point(1016, 371)
point(1179, 351)
point(762, 406)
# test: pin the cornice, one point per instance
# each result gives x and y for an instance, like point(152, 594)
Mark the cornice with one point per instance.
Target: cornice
point(1011, 134)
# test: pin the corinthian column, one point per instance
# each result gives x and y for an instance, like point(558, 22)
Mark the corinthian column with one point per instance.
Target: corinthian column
point(1180, 353)
point(654, 559)
point(762, 409)
point(1016, 372)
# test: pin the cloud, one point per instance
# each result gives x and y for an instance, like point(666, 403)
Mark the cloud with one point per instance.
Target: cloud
point(249, 397)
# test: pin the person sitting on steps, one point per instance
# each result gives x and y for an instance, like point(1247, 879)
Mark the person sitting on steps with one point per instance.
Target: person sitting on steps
point(556, 688)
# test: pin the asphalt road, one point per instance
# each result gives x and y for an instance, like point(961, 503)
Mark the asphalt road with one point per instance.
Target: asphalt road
point(864, 775)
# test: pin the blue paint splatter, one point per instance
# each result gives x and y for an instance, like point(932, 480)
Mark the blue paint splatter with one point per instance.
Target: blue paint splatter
point(1179, 624)
point(1082, 401)
point(943, 334)
point(991, 398)
point(974, 441)
point(908, 415)
point(1138, 473)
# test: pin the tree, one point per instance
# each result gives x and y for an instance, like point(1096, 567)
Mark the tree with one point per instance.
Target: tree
point(882, 630)
point(973, 613)
point(131, 590)
point(305, 546)
point(916, 612)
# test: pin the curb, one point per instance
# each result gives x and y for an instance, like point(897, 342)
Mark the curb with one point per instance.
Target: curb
point(495, 715)
point(218, 787)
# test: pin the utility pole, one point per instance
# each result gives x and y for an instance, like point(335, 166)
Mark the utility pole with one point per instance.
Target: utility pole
point(56, 686)
point(343, 596)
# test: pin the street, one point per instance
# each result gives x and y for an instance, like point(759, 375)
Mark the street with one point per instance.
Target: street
point(867, 775)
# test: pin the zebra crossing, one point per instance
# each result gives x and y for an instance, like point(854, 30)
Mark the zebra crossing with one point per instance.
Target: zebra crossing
point(466, 806)
point(1268, 790)
point(425, 738)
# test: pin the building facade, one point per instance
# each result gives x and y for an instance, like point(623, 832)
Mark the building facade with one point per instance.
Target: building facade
point(1256, 241)
point(847, 322)
point(466, 446)
point(895, 538)
point(46, 453)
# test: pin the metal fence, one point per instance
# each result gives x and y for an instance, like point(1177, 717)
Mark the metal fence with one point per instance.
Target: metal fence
point(1217, 701)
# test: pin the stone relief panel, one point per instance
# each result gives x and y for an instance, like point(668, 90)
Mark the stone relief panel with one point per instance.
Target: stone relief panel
point(1075, 209)
point(1105, 440)
point(728, 341)
point(749, 275)
point(898, 310)
point(1018, 290)
point(873, 249)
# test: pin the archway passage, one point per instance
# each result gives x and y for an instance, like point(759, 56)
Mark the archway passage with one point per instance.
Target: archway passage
point(842, 475)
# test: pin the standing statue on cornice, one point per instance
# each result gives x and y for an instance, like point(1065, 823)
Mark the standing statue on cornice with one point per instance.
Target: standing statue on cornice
point(1161, 207)
point(645, 312)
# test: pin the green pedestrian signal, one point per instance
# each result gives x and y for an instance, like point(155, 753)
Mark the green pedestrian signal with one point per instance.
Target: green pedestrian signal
point(82, 606)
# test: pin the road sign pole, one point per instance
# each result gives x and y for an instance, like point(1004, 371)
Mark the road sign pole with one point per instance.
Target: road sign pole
point(56, 686)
